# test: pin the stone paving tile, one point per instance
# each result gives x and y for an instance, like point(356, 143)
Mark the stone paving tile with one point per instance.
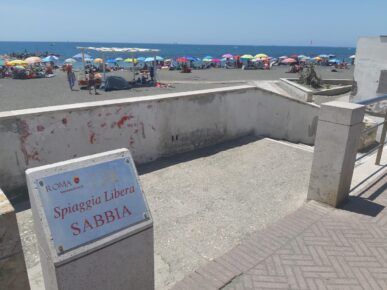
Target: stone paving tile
point(316, 247)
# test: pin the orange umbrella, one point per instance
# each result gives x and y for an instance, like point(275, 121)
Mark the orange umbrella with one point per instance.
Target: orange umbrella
point(33, 59)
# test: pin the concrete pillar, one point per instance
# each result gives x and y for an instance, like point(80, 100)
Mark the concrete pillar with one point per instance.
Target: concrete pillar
point(13, 271)
point(337, 138)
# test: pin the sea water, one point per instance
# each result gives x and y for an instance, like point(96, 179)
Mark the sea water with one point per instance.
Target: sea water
point(68, 49)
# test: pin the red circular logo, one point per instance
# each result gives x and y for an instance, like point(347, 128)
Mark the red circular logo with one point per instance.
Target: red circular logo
point(76, 179)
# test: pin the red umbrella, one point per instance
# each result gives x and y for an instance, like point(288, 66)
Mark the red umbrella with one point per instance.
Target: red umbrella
point(295, 56)
point(289, 60)
point(182, 59)
point(217, 60)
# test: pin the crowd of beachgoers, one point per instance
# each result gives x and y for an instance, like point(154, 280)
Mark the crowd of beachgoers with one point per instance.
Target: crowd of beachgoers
point(25, 65)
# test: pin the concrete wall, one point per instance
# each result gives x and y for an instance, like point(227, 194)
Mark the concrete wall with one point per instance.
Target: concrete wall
point(151, 127)
point(371, 60)
point(13, 271)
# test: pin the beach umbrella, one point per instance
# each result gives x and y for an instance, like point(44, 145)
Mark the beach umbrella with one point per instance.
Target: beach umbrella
point(352, 56)
point(289, 60)
point(70, 60)
point(227, 55)
point(79, 56)
point(2, 62)
point(323, 56)
point(111, 60)
point(247, 56)
point(19, 67)
point(131, 60)
point(294, 56)
point(33, 59)
point(216, 60)
point(302, 56)
point(16, 62)
point(98, 60)
point(141, 58)
point(260, 55)
point(50, 58)
point(191, 58)
point(331, 55)
point(152, 58)
point(334, 60)
point(119, 59)
point(255, 59)
point(207, 59)
point(182, 59)
point(283, 57)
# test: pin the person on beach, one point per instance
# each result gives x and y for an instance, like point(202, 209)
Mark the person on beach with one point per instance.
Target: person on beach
point(70, 76)
point(91, 82)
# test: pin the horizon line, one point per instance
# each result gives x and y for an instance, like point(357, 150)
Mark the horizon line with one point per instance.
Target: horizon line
point(175, 43)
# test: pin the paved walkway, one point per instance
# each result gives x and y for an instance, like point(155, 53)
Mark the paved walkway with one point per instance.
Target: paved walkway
point(316, 247)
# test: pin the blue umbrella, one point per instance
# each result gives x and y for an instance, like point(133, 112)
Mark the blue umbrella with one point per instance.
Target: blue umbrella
point(152, 58)
point(79, 56)
point(141, 58)
point(111, 60)
point(323, 56)
point(208, 57)
point(50, 58)
point(2, 62)
point(191, 58)
point(334, 60)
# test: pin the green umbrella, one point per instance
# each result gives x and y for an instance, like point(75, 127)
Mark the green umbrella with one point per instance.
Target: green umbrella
point(247, 56)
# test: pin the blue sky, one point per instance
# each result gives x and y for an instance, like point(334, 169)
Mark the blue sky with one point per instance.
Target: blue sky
point(255, 22)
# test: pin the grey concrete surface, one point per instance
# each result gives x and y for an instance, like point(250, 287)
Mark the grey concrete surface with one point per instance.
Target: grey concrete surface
point(13, 271)
point(205, 202)
point(337, 141)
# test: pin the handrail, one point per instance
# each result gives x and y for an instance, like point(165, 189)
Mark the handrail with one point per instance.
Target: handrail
point(382, 142)
point(371, 101)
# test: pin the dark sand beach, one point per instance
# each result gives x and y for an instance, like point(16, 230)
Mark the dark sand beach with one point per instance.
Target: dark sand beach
point(33, 93)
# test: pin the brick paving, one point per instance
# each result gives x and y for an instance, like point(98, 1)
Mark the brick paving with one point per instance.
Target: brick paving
point(316, 247)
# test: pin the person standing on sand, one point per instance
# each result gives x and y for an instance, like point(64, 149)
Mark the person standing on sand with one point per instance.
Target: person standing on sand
point(70, 76)
point(91, 81)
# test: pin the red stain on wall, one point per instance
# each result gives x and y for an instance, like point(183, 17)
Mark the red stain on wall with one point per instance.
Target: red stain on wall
point(40, 128)
point(64, 121)
point(24, 132)
point(123, 119)
point(92, 138)
point(131, 141)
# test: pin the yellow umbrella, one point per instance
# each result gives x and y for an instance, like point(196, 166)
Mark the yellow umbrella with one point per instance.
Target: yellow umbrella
point(131, 60)
point(17, 62)
point(247, 56)
point(261, 55)
point(33, 59)
point(98, 60)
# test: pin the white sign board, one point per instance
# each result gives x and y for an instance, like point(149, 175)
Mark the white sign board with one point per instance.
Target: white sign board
point(90, 202)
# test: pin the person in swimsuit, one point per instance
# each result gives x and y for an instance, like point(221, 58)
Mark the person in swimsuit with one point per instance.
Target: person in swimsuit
point(91, 82)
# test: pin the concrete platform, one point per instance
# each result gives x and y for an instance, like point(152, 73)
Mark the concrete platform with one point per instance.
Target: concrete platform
point(206, 202)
